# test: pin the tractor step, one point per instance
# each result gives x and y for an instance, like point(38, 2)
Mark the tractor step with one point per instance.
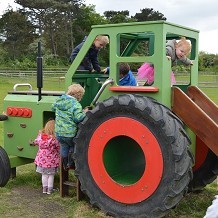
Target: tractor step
point(70, 183)
point(66, 183)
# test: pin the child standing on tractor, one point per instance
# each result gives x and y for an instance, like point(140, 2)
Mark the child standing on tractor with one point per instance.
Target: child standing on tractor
point(68, 113)
point(90, 62)
point(47, 158)
point(175, 51)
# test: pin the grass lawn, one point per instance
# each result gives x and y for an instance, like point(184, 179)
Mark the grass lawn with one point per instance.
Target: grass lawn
point(22, 196)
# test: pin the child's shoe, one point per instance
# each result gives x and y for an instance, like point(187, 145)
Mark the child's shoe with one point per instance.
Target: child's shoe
point(71, 166)
point(44, 189)
point(71, 163)
point(65, 163)
point(49, 191)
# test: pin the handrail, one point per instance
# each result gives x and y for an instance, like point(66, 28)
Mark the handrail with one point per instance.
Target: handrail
point(22, 84)
point(107, 82)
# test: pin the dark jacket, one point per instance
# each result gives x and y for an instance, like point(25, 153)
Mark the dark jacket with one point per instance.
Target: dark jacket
point(90, 61)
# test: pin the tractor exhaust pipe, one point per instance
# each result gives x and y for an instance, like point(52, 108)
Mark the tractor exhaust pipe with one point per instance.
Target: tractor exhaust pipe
point(39, 71)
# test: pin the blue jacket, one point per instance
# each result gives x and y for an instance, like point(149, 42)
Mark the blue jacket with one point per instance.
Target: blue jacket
point(68, 113)
point(90, 61)
point(128, 80)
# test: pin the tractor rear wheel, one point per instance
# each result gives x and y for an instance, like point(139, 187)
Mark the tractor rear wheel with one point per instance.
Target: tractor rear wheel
point(132, 157)
point(5, 168)
point(205, 170)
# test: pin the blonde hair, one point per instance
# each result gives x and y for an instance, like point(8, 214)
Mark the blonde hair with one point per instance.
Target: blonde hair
point(76, 90)
point(185, 44)
point(49, 128)
point(104, 39)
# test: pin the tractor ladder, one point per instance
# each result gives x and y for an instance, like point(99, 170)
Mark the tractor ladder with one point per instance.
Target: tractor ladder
point(66, 183)
point(199, 113)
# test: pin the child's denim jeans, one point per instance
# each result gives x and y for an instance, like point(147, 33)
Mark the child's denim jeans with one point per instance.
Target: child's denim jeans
point(67, 145)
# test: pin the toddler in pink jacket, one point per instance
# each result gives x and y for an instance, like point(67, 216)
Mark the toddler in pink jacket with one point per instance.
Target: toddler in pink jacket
point(47, 158)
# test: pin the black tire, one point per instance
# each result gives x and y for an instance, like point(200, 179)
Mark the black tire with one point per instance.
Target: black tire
point(166, 134)
point(206, 173)
point(5, 167)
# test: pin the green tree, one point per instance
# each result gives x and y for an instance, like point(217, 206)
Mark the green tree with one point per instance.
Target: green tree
point(207, 61)
point(84, 21)
point(53, 20)
point(3, 53)
point(149, 14)
point(118, 16)
point(17, 33)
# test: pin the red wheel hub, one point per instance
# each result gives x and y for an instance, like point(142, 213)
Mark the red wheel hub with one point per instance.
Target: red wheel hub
point(149, 181)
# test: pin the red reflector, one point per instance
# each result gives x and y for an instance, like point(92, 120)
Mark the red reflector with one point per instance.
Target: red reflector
point(19, 112)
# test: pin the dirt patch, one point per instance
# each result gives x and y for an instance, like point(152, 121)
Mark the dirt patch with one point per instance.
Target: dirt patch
point(29, 202)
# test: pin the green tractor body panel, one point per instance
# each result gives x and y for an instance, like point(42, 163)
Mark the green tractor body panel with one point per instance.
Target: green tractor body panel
point(21, 130)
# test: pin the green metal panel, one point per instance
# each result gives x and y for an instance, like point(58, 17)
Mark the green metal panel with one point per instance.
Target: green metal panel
point(16, 161)
point(91, 82)
point(19, 132)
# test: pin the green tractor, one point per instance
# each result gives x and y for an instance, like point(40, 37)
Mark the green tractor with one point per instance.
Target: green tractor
point(140, 148)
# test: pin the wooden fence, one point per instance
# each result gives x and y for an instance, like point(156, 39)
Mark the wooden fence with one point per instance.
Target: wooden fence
point(209, 81)
point(29, 73)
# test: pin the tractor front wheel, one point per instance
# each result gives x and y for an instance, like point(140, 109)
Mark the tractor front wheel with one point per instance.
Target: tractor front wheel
point(5, 168)
point(132, 157)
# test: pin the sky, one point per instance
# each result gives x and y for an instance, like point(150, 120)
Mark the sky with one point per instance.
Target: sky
point(197, 14)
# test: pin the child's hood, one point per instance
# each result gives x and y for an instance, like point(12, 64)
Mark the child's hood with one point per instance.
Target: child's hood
point(43, 140)
point(46, 137)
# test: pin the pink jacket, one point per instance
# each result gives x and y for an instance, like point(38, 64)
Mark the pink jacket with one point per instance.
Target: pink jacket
point(48, 153)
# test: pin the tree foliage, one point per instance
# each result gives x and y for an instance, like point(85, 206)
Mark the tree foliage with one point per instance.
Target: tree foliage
point(61, 25)
point(118, 16)
point(17, 33)
point(207, 60)
point(52, 18)
point(83, 22)
point(149, 14)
